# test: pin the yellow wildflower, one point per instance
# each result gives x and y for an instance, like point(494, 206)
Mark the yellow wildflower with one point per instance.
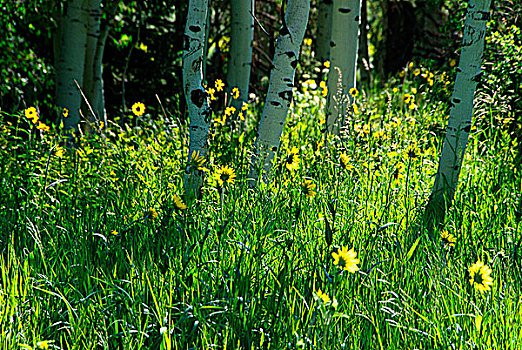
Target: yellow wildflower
point(197, 161)
point(346, 259)
point(219, 85)
point(292, 160)
point(308, 188)
point(225, 175)
point(480, 276)
point(31, 113)
point(345, 162)
point(412, 151)
point(448, 239)
point(138, 109)
point(59, 152)
point(235, 93)
point(230, 110)
point(44, 344)
point(43, 127)
point(211, 92)
point(324, 92)
point(323, 297)
point(178, 202)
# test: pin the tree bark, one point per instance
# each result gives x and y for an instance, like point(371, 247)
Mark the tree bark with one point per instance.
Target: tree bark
point(71, 56)
point(93, 38)
point(241, 39)
point(196, 97)
point(461, 111)
point(324, 30)
point(205, 42)
point(280, 91)
point(98, 99)
point(343, 55)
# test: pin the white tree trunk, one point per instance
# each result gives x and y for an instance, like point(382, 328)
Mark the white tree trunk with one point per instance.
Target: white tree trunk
point(69, 67)
point(343, 54)
point(280, 92)
point(205, 45)
point(98, 99)
point(93, 37)
point(195, 95)
point(461, 111)
point(242, 37)
point(324, 30)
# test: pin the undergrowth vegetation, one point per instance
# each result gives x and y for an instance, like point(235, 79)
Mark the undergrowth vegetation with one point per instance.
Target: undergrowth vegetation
point(102, 249)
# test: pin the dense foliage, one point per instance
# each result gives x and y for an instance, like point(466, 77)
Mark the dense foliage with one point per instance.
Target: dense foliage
point(102, 250)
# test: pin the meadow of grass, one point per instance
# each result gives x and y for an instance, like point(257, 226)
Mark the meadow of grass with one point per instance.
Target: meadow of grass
point(102, 249)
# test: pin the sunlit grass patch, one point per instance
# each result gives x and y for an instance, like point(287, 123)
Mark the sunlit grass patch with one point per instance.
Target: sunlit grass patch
point(103, 248)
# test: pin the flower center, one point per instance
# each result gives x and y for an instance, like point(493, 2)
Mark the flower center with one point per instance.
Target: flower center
point(342, 261)
point(478, 278)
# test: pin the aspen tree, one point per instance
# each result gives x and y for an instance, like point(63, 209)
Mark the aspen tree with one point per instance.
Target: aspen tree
point(92, 73)
point(97, 93)
point(344, 44)
point(324, 30)
point(280, 91)
point(79, 45)
point(241, 39)
point(72, 40)
point(196, 97)
point(461, 110)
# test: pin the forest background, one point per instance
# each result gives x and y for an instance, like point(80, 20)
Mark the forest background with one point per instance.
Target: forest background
point(143, 53)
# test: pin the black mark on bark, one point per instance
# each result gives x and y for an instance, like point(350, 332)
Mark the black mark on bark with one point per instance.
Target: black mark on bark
point(197, 96)
point(195, 29)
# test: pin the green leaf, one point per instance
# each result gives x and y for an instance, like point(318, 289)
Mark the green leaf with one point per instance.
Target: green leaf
point(383, 227)
point(412, 250)
point(331, 207)
point(328, 234)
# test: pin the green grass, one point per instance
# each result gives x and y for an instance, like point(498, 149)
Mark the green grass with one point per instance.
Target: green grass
point(240, 267)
